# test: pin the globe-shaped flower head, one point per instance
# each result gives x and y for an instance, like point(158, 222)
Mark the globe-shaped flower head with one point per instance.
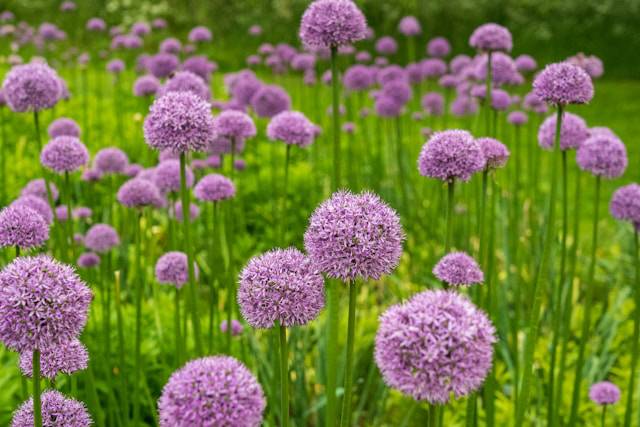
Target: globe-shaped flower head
point(269, 101)
point(435, 344)
point(604, 393)
point(57, 410)
point(64, 154)
point(211, 391)
point(625, 203)
point(42, 302)
point(214, 188)
point(167, 176)
point(145, 86)
point(573, 132)
point(101, 238)
point(36, 203)
point(438, 47)
point(163, 64)
point(38, 188)
point(172, 268)
point(495, 153)
point(65, 358)
point(31, 88)
point(603, 156)
point(563, 83)
point(451, 155)
point(491, 37)
point(199, 34)
point(88, 260)
point(458, 268)
point(63, 127)
point(110, 160)
point(186, 81)
point(180, 122)
point(292, 128)
point(23, 227)
point(234, 125)
point(409, 26)
point(283, 286)
point(138, 192)
point(354, 235)
point(332, 23)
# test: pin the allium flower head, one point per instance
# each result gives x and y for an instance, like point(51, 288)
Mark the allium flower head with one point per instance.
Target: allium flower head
point(138, 192)
point(38, 188)
point(451, 155)
point(194, 211)
point(291, 127)
point(358, 77)
point(96, 24)
point(172, 268)
point(36, 203)
point(133, 169)
point(409, 26)
point(200, 66)
point(603, 156)
point(57, 410)
point(23, 227)
point(271, 100)
point(283, 286)
point(435, 344)
point(146, 86)
point(110, 160)
point(236, 327)
point(526, 63)
point(433, 103)
point(458, 268)
point(140, 29)
point(88, 260)
point(354, 235)
point(115, 66)
point(212, 391)
point(604, 393)
point(625, 203)
point(91, 175)
point(433, 67)
point(386, 45)
point(167, 176)
point(214, 188)
point(101, 238)
point(170, 45)
point(163, 64)
point(518, 118)
point(180, 122)
point(64, 154)
point(303, 61)
point(591, 64)
point(200, 34)
point(332, 23)
point(223, 145)
point(459, 62)
point(399, 90)
point(491, 37)
point(573, 132)
point(234, 124)
point(186, 81)
point(495, 153)
point(438, 47)
point(463, 106)
point(65, 358)
point(31, 87)
point(386, 106)
point(42, 303)
point(563, 83)
point(63, 127)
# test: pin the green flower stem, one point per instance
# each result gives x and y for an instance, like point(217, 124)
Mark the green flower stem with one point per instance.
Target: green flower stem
point(283, 206)
point(333, 315)
point(604, 415)
point(345, 419)
point(67, 186)
point(336, 118)
point(37, 406)
point(213, 245)
point(186, 220)
point(284, 375)
point(487, 101)
point(633, 379)
point(450, 209)
point(124, 390)
point(434, 415)
point(138, 331)
point(177, 329)
point(3, 159)
point(540, 284)
point(586, 319)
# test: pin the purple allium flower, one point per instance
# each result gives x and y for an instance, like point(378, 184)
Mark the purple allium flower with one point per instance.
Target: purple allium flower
point(603, 156)
point(110, 160)
point(438, 47)
point(78, 238)
point(451, 155)
point(332, 23)
point(91, 175)
point(500, 99)
point(591, 64)
point(200, 66)
point(96, 24)
point(146, 86)
point(239, 164)
point(363, 56)
point(63, 127)
point(167, 176)
point(23, 227)
point(433, 67)
point(415, 73)
point(43, 303)
point(386, 45)
point(283, 286)
point(186, 81)
point(214, 161)
point(435, 344)
point(66, 358)
point(573, 133)
point(82, 212)
point(503, 69)
point(159, 24)
point(172, 269)
point(176, 212)
point(200, 34)
point(254, 30)
point(386, 106)
point(253, 60)
point(495, 153)
point(61, 213)
point(426, 132)
point(31, 87)
point(214, 188)
point(64, 154)
point(463, 106)
point(604, 393)
point(170, 45)
point(133, 169)
point(491, 37)
point(115, 66)
point(526, 63)
point(291, 127)
point(354, 235)
point(222, 145)
point(381, 61)
point(48, 31)
point(88, 260)
point(399, 90)
point(180, 122)
point(458, 268)
point(433, 103)
point(234, 124)
point(625, 203)
point(348, 127)
point(390, 74)
point(163, 64)
point(602, 131)
point(459, 62)
point(236, 327)
point(57, 410)
point(518, 118)
point(214, 390)
point(67, 6)
point(36, 203)
point(563, 83)
point(271, 100)
point(409, 26)
point(101, 238)
point(37, 188)
point(138, 192)
point(303, 61)
point(140, 29)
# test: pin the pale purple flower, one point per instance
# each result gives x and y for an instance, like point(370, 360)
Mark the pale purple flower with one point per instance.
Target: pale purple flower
point(591, 64)
point(433, 67)
point(451, 155)
point(163, 64)
point(458, 63)
point(138, 192)
point(64, 154)
point(133, 169)
point(573, 133)
point(140, 29)
point(200, 66)
point(386, 106)
point(167, 176)
point(65, 358)
point(563, 83)
point(31, 87)
point(409, 26)
point(491, 37)
point(291, 127)
point(271, 100)
point(172, 269)
point(159, 24)
point(146, 86)
point(214, 188)
point(36, 203)
point(458, 268)
point(234, 124)
point(63, 127)
point(115, 66)
point(110, 160)
point(91, 175)
point(495, 153)
point(433, 103)
point(464, 106)
point(56, 409)
point(332, 23)
point(603, 156)
point(518, 118)
point(186, 81)
point(255, 30)
point(200, 34)
point(236, 327)
point(604, 393)
point(625, 203)
point(23, 227)
point(526, 63)
point(37, 188)
point(170, 45)
point(101, 238)
point(176, 212)
point(438, 47)
point(386, 45)
point(96, 24)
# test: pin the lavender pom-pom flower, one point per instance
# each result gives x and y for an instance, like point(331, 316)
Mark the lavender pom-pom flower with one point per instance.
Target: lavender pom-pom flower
point(495, 152)
point(603, 156)
point(101, 238)
point(625, 203)
point(31, 88)
point(36, 203)
point(63, 127)
point(64, 154)
point(138, 192)
point(458, 268)
point(65, 358)
point(451, 155)
point(563, 83)
point(57, 410)
point(172, 268)
point(332, 23)
point(214, 188)
point(23, 227)
point(110, 160)
point(38, 188)
point(292, 128)
point(236, 327)
point(573, 132)
point(491, 37)
point(604, 393)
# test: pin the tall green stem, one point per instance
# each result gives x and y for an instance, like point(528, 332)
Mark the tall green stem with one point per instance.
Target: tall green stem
point(336, 118)
point(124, 399)
point(449, 236)
point(333, 314)
point(138, 303)
point(604, 415)
point(633, 380)
point(67, 186)
point(284, 375)
point(345, 420)
point(487, 101)
point(283, 208)
point(540, 283)
point(586, 319)
point(3, 159)
point(186, 220)
point(37, 406)
point(178, 329)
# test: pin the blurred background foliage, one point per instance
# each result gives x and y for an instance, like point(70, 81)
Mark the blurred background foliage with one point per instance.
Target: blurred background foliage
point(549, 30)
